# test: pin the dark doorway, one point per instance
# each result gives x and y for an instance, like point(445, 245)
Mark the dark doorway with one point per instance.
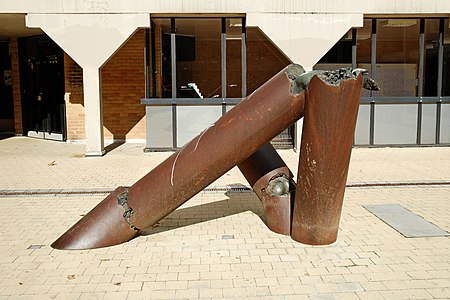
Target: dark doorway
point(42, 86)
point(6, 91)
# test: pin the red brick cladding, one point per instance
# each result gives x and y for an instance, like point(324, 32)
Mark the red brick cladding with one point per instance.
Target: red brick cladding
point(73, 82)
point(122, 88)
point(16, 86)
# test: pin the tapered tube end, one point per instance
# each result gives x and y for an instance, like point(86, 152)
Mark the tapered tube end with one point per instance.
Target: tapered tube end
point(103, 226)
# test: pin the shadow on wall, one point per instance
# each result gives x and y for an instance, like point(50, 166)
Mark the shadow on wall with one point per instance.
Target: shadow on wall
point(122, 88)
point(236, 203)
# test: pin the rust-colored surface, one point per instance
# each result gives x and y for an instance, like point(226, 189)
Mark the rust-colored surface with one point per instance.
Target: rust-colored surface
point(104, 225)
point(259, 168)
point(327, 138)
point(233, 138)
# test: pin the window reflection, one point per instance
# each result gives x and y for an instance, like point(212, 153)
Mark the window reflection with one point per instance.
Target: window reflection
point(339, 56)
point(263, 59)
point(364, 49)
point(364, 43)
point(431, 57)
point(397, 56)
point(446, 69)
point(234, 57)
point(198, 54)
point(162, 63)
point(198, 58)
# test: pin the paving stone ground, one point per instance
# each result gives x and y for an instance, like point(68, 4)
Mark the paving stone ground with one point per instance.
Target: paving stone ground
point(217, 246)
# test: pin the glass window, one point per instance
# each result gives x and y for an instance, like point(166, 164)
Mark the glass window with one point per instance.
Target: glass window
point(264, 60)
point(234, 58)
point(341, 52)
point(364, 43)
point(364, 49)
point(397, 56)
point(339, 56)
point(162, 63)
point(446, 70)
point(431, 57)
point(198, 58)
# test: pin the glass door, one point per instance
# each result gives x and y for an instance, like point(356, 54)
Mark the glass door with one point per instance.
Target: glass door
point(42, 84)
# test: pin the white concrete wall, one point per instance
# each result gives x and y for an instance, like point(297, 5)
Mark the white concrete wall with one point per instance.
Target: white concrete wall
point(90, 31)
point(228, 6)
point(90, 39)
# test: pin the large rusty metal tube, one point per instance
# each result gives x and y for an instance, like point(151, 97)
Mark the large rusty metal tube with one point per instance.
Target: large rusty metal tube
point(233, 138)
point(327, 138)
point(271, 180)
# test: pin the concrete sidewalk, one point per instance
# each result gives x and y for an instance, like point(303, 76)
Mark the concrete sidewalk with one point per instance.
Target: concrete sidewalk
point(216, 245)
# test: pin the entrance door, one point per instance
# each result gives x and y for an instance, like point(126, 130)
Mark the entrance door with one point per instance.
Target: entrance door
point(6, 92)
point(42, 84)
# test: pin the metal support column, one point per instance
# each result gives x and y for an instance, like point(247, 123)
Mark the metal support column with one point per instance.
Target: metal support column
point(244, 58)
point(223, 36)
point(373, 74)
point(420, 78)
point(354, 63)
point(439, 79)
point(173, 60)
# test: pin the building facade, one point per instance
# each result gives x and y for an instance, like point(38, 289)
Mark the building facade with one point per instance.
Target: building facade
point(162, 71)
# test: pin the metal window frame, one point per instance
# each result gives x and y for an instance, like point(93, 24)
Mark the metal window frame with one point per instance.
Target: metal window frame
point(419, 100)
point(372, 100)
point(223, 38)
point(174, 101)
point(373, 74)
point(244, 57)
point(440, 79)
point(173, 67)
point(420, 76)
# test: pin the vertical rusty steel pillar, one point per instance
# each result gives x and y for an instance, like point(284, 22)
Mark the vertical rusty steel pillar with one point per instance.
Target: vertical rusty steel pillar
point(234, 137)
point(327, 139)
point(272, 182)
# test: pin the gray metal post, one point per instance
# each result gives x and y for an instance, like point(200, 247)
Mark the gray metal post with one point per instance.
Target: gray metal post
point(173, 60)
point(439, 79)
point(373, 73)
point(224, 62)
point(244, 58)
point(420, 78)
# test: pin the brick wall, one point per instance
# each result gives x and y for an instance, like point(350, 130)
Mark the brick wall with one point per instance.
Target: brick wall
point(16, 86)
point(122, 88)
point(123, 82)
point(73, 81)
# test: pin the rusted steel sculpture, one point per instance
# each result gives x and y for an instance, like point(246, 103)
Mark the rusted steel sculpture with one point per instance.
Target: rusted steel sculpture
point(327, 137)
point(241, 138)
point(234, 137)
point(272, 182)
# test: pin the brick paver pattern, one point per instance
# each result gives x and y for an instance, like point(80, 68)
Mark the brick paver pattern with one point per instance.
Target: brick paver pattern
point(217, 246)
